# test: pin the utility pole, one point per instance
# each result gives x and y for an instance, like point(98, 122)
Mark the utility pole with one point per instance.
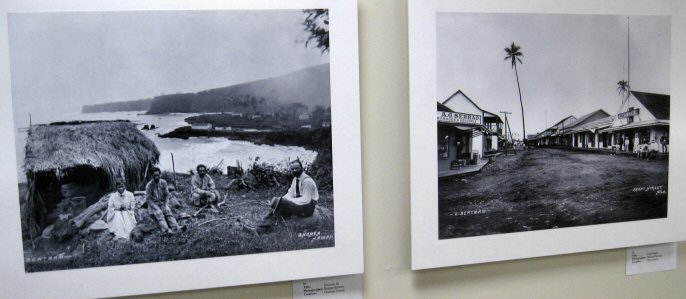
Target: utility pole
point(507, 130)
point(507, 125)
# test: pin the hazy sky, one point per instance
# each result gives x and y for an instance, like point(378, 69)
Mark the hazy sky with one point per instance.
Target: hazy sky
point(571, 63)
point(61, 61)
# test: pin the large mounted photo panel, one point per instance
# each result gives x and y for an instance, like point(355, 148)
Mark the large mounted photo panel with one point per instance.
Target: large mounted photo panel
point(552, 128)
point(163, 146)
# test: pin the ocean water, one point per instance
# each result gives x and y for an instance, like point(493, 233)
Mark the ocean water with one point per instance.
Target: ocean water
point(187, 153)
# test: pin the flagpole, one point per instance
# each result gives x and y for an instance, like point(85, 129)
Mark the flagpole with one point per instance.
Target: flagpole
point(628, 55)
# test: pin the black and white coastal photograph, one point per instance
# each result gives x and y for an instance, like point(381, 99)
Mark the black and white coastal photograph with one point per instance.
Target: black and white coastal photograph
point(548, 121)
point(154, 136)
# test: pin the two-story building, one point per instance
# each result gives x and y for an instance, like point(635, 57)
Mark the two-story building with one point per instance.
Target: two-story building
point(465, 129)
point(494, 139)
point(643, 117)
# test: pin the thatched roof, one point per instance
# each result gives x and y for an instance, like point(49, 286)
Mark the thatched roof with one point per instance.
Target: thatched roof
point(117, 147)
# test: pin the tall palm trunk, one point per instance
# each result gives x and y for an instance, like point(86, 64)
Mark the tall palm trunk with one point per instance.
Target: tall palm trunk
point(519, 89)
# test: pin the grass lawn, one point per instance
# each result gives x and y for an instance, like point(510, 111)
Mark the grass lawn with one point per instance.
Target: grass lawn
point(228, 232)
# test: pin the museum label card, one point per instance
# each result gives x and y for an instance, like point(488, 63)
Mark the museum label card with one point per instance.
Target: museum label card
point(651, 258)
point(348, 287)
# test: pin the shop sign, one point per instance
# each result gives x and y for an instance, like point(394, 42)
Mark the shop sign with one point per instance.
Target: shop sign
point(628, 113)
point(458, 118)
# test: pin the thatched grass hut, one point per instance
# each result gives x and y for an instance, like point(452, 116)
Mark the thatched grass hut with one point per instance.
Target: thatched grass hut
point(91, 155)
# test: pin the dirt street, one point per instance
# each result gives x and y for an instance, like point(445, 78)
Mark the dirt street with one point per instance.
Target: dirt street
point(552, 188)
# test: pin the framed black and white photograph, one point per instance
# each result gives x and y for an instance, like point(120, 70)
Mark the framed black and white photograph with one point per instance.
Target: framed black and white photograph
point(159, 138)
point(552, 130)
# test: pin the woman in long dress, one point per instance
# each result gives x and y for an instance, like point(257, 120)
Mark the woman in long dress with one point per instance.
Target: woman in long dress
point(121, 218)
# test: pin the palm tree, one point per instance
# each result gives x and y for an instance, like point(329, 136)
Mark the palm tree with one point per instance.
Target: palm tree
point(623, 88)
point(513, 55)
point(317, 25)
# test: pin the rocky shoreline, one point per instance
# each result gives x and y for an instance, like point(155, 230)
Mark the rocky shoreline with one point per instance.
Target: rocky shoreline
point(318, 140)
point(313, 139)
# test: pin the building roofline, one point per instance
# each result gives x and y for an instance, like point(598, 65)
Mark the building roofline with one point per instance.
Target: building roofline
point(581, 119)
point(460, 92)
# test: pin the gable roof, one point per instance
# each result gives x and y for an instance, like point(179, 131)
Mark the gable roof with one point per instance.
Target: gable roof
point(596, 124)
point(465, 96)
point(657, 104)
point(563, 120)
point(549, 131)
point(587, 118)
point(441, 107)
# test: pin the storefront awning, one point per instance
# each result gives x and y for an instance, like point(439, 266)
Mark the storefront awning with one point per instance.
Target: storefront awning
point(656, 122)
point(477, 130)
point(464, 128)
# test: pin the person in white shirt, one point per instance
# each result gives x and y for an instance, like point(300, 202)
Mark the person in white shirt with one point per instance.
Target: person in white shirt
point(121, 216)
point(300, 200)
point(653, 149)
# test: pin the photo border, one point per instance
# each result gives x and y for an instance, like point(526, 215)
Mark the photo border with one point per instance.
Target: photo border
point(343, 259)
point(430, 252)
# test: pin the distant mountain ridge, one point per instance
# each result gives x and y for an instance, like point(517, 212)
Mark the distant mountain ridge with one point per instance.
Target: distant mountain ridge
point(136, 105)
point(309, 86)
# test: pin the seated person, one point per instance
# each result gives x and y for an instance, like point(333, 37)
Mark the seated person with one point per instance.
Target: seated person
point(157, 198)
point(615, 148)
point(300, 200)
point(653, 149)
point(640, 149)
point(204, 191)
point(121, 217)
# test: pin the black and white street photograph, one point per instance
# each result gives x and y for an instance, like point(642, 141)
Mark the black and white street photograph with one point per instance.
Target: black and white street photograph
point(154, 136)
point(548, 121)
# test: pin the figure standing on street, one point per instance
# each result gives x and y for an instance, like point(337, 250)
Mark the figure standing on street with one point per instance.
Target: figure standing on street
point(664, 140)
